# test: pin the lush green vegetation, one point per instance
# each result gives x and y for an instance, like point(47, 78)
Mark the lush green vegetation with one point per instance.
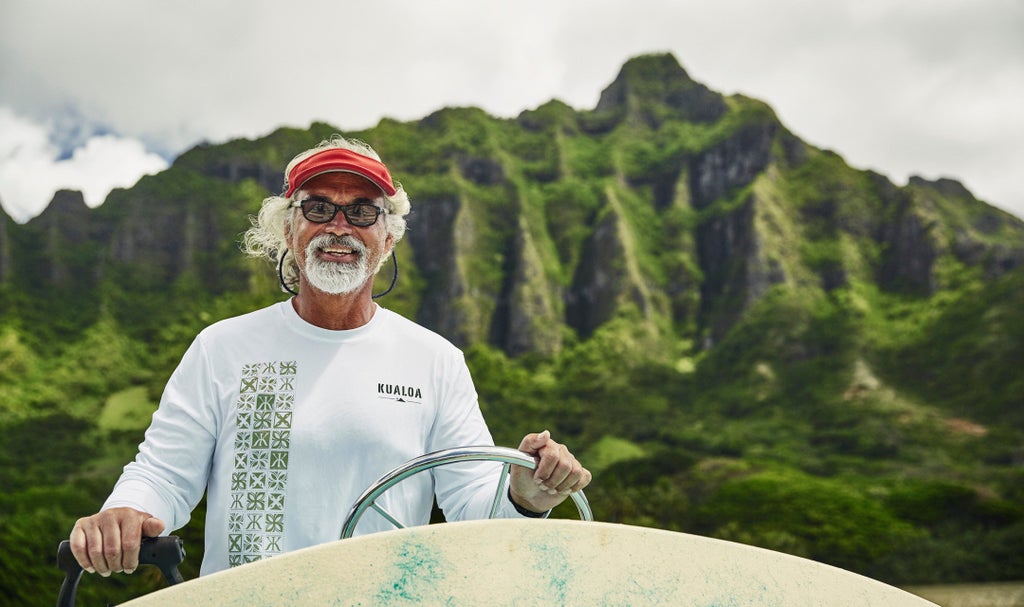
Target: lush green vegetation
point(821, 411)
point(790, 450)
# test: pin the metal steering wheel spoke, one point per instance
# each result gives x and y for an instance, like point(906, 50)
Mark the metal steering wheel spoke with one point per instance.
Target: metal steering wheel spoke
point(507, 456)
point(387, 515)
point(498, 492)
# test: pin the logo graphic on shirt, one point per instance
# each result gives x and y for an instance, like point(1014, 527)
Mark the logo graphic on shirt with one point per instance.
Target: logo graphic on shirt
point(400, 393)
point(258, 483)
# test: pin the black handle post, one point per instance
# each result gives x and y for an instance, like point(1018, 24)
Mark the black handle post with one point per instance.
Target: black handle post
point(72, 574)
point(164, 552)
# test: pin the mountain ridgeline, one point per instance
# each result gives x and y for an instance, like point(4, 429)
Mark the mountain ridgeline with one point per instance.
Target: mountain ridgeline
point(741, 334)
point(668, 198)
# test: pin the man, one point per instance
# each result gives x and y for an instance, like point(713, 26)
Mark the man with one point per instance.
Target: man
point(283, 416)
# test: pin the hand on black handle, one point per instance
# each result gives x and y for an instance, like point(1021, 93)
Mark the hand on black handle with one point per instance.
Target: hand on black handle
point(164, 552)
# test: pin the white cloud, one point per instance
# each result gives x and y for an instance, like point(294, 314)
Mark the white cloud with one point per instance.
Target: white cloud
point(32, 168)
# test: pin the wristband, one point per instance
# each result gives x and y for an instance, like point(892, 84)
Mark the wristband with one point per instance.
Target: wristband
point(525, 512)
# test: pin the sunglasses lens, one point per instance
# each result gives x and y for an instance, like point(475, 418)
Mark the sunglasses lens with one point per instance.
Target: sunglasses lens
point(361, 215)
point(318, 211)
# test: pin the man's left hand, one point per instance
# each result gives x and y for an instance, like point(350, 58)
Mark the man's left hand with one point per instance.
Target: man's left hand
point(557, 474)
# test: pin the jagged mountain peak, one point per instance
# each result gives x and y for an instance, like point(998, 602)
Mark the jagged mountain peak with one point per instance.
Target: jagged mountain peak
point(548, 114)
point(65, 202)
point(648, 85)
point(663, 66)
point(943, 185)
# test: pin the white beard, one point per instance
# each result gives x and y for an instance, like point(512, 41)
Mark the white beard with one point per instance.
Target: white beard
point(332, 277)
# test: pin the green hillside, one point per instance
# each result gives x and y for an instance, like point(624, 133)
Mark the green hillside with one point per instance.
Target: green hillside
point(741, 335)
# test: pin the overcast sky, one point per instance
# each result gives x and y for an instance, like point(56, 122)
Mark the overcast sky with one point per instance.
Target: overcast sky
point(94, 94)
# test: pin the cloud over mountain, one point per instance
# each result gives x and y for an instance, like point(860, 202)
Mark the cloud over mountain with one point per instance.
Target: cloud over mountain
point(34, 165)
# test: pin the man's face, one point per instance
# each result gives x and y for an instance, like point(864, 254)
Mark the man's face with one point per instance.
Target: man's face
point(337, 257)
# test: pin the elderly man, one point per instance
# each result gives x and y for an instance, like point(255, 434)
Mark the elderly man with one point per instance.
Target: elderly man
point(283, 416)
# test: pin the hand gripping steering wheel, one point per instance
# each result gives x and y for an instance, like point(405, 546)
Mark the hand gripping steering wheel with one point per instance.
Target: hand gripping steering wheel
point(441, 458)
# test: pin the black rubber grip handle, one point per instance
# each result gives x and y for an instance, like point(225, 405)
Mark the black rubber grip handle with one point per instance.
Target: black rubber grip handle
point(164, 552)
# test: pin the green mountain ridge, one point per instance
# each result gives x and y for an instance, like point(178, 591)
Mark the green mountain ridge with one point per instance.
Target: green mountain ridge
point(741, 335)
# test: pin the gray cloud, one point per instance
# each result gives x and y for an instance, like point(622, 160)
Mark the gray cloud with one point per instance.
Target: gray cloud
point(927, 87)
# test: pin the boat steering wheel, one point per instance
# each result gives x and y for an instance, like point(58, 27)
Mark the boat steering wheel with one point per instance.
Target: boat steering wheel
point(444, 457)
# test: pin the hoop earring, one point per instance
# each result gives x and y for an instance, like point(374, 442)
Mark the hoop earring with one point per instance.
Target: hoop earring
point(394, 277)
point(280, 274)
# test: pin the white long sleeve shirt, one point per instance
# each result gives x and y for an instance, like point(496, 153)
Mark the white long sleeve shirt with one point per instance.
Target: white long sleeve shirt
point(284, 424)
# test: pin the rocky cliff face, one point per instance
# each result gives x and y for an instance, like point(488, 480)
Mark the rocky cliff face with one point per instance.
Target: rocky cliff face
point(667, 200)
point(169, 239)
point(50, 250)
point(973, 232)
point(528, 316)
point(606, 278)
point(433, 239)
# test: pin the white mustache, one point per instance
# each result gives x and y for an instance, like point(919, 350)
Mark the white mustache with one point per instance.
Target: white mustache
point(325, 241)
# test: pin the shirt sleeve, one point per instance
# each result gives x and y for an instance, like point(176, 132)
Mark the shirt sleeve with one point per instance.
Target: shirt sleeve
point(467, 490)
point(169, 475)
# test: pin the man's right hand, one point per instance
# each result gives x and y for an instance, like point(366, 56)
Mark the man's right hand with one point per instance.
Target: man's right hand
point(109, 540)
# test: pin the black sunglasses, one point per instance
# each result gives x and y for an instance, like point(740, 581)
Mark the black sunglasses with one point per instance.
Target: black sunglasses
point(361, 213)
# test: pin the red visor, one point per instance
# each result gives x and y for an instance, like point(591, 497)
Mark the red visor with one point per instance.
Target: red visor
point(340, 160)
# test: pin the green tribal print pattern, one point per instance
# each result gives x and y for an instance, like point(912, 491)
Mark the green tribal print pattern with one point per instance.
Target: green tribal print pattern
point(259, 480)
